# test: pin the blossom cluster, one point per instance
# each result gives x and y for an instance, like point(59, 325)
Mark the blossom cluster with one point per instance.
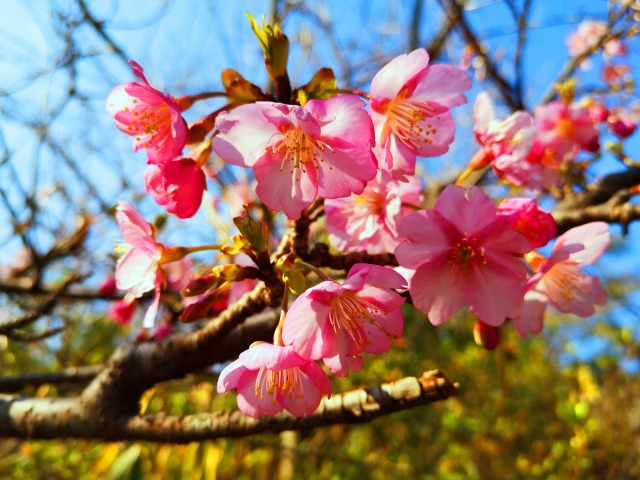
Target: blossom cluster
point(155, 120)
point(360, 158)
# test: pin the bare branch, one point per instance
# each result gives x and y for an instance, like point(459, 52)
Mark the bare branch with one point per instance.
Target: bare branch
point(506, 90)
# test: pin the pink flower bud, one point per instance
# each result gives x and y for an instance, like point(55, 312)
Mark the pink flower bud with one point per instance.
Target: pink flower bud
point(486, 336)
point(178, 185)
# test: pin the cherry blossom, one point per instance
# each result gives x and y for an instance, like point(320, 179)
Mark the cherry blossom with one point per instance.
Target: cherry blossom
point(462, 251)
point(122, 310)
point(271, 378)
point(178, 185)
point(622, 122)
point(139, 269)
point(564, 130)
point(298, 153)
point(369, 221)
point(559, 280)
point(152, 117)
point(410, 103)
point(338, 322)
point(526, 218)
point(588, 34)
point(505, 143)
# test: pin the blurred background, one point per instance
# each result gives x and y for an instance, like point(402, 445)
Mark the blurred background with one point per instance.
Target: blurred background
point(561, 405)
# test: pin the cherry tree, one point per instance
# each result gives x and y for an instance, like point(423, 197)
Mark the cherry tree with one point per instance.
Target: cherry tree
point(338, 230)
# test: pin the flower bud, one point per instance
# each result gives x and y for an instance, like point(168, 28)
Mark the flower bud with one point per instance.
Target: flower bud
point(256, 233)
point(240, 90)
point(322, 86)
point(275, 46)
point(486, 336)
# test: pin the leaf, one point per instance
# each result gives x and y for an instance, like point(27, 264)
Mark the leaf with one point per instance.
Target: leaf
point(127, 466)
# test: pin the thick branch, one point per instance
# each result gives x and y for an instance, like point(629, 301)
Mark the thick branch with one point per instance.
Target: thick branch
point(46, 418)
point(258, 328)
point(605, 200)
point(320, 257)
point(69, 376)
point(623, 213)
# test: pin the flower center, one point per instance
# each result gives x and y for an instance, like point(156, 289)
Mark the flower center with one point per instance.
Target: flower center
point(150, 122)
point(465, 254)
point(370, 202)
point(300, 150)
point(565, 281)
point(287, 382)
point(348, 313)
point(565, 127)
point(407, 119)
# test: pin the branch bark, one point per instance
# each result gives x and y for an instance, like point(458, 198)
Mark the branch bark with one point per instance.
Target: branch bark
point(56, 418)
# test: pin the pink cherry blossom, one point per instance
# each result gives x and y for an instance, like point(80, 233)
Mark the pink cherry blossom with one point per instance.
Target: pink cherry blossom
point(564, 130)
point(588, 34)
point(410, 103)
point(622, 122)
point(542, 169)
point(297, 153)
point(271, 378)
point(505, 143)
point(338, 322)
point(462, 251)
point(108, 287)
point(369, 221)
point(486, 336)
point(122, 310)
point(560, 282)
point(139, 269)
point(152, 117)
point(177, 184)
point(526, 218)
point(615, 74)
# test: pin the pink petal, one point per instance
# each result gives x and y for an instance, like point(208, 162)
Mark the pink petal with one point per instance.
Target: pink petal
point(343, 121)
point(246, 132)
point(304, 324)
point(443, 85)
point(392, 77)
point(137, 272)
point(378, 340)
point(270, 356)
point(424, 241)
point(391, 323)
point(494, 294)
point(135, 229)
point(283, 189)
point(312, 392)
point(470, 211)
point(376, 275)
point(594, 236)
point(346, 171)
point(150, 317)
point(531, 319)
point(249, 403)
point(570, 291)
point(433, 291)
point(229, 377)
point(335, 354)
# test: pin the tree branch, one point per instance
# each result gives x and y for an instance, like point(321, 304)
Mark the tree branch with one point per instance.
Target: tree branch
point(47, 418)
point(506, 90)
